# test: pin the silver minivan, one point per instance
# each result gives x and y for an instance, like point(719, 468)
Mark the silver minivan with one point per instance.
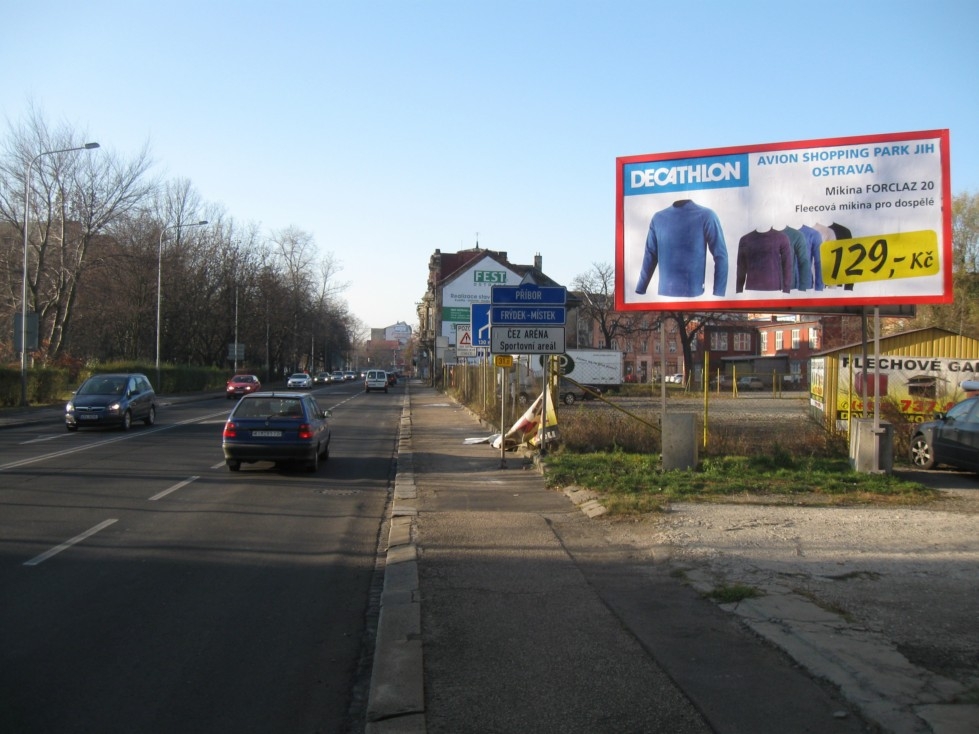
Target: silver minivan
point(376, 380)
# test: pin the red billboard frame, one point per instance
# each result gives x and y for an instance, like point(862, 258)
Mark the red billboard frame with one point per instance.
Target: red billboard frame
point(871, 171)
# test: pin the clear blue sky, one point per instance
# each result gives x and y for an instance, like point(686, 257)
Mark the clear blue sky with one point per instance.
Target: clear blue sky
point(389, 129)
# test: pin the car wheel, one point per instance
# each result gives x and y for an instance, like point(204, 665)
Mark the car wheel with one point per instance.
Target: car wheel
point(127, 421)
point(70, 427)
point(385, 389)
point(313, 464)
point(569, 398)
point(922, 455)
point(234, 465)
point(150, 418)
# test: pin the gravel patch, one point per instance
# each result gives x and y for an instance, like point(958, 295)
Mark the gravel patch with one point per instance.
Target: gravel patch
point(910, 575)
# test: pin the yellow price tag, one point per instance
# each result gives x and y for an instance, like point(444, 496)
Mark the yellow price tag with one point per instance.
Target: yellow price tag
point(880, 257)
point(503, 360)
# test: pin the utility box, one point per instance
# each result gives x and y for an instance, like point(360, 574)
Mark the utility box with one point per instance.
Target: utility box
point(681, 438)
point(871, 451)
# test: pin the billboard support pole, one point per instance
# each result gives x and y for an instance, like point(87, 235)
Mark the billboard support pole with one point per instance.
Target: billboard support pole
point(877, 391)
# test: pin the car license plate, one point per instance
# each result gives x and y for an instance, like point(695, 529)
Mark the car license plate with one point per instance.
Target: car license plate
point(87, 417)
point(267, 434)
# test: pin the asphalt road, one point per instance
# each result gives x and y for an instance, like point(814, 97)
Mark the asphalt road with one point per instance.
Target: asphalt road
point(147, 588)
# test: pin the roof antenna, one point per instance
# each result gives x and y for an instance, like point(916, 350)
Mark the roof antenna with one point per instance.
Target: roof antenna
point(477, 240)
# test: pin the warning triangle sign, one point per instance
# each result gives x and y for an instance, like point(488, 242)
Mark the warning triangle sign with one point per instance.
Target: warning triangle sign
point(466, 339)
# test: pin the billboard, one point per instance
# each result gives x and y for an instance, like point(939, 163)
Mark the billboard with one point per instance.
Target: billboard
point(856, 221)
point(471, 285)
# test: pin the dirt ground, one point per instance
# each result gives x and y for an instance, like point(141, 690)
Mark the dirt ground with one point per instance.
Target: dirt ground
point(910, 575)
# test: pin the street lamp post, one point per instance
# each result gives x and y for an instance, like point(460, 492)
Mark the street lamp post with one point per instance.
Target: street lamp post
point(23, 299)
point(159, 283)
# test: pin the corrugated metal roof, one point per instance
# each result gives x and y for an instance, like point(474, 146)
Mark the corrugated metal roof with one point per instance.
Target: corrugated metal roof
point(930, 341)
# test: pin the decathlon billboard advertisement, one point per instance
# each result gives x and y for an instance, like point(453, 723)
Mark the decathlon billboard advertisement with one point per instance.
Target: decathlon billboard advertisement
point(857, 221)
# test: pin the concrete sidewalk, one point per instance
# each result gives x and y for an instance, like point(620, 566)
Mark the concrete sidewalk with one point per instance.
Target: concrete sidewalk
point(505, 609)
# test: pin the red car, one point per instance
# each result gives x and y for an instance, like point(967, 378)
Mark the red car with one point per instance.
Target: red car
point(242, 385)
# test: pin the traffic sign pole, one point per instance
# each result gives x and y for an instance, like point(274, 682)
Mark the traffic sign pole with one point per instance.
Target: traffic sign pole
point(503, 398)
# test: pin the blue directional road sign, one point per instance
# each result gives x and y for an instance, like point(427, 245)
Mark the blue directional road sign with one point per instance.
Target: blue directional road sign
point(527, 315)
point(479, 321)
point(528, 294)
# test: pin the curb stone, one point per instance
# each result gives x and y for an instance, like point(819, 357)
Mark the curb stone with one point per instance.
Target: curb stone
point(396, 702)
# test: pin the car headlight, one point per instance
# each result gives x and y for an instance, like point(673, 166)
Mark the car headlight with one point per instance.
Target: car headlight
point(70, 407)
point(114, 407)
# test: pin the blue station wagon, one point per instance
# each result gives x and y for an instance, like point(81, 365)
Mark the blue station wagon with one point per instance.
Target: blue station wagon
point(277, 427)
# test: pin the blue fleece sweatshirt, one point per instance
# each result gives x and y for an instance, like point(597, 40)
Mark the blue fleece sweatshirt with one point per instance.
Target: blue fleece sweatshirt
point(678, 240)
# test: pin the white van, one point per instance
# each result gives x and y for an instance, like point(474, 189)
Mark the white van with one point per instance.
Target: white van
point(376, 380)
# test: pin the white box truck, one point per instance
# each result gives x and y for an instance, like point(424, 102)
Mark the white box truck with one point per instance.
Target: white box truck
point(600, 370)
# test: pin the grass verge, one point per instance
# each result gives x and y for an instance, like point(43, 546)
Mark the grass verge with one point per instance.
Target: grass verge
point(733, 593)
point(632, 484)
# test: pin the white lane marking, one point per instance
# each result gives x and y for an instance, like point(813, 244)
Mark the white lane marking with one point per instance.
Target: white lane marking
point(69, 543)
point(126, 437)
point(220, 465)
point(174, 488)
point(344, 402)
point(44, 438)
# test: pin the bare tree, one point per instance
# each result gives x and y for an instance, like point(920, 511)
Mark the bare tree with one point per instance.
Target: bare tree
point(100, 235)
point(293, 261)
point(114, 315)
point(75, 198)
point(962, 315)
point(596, 290)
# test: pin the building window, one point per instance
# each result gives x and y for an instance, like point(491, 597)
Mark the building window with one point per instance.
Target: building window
point(795, 338)
point(778, 341)
point(813, 338)
point(742, 342)
point(764, 342)
point(644, 347)
point(718, 341)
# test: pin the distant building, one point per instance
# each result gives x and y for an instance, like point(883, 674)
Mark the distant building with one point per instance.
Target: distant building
point(732, 345)
point(796, 339)
point(456, 281)
point(399, 332)
point(386, 349)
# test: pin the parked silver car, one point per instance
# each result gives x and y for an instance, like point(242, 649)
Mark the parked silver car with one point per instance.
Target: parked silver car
point(299, 381)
